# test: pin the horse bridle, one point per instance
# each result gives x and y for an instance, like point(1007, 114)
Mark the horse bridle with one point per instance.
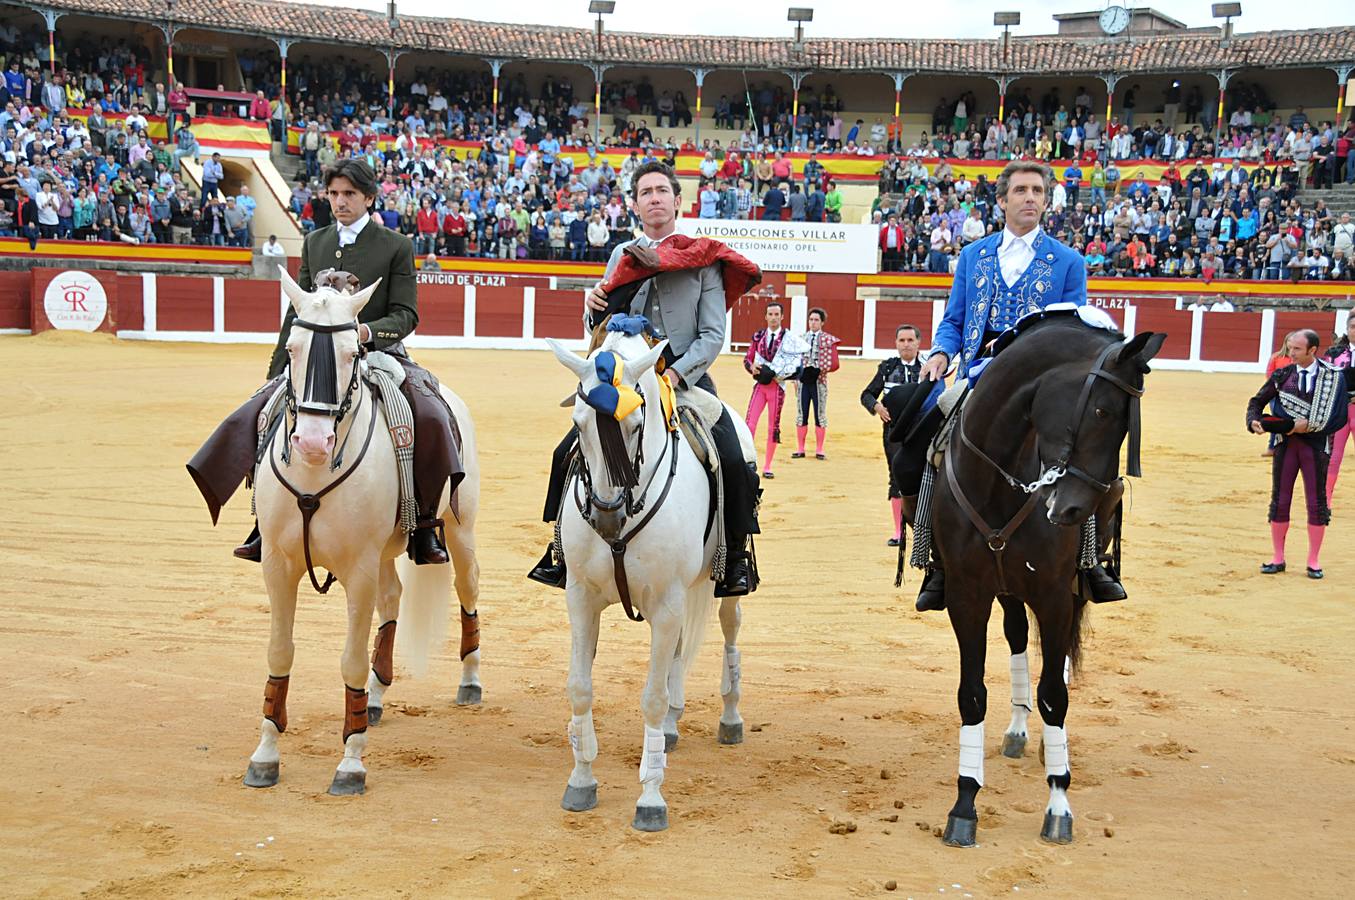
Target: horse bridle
point(1062, 465)
point(328, 404)
point(997, 539)
point(634, 503)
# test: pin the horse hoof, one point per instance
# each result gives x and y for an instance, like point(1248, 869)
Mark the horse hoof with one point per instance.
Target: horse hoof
point(373, 715)
point(731, 734)
point(347, 784)
point(1057, 829)
point(669, 741)
point(1014, 745)
point(579, 799)
point(261, 774)
point(468, 695)
point(960, 832)
point(650, 818)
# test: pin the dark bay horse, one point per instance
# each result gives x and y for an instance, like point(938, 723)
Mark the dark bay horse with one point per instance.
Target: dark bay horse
point(1041, 430)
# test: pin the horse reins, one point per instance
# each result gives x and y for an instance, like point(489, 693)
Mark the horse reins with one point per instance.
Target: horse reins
point(326, 386)
point(997, 539)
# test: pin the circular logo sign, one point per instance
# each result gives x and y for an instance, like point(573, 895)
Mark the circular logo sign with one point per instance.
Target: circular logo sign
point(76, 301)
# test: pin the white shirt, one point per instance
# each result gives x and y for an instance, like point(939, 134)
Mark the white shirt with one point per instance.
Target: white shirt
point(349, 233)
point(1015, 254)
point(273, 249)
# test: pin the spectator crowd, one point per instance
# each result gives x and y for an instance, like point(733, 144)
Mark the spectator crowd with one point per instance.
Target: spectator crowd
point(536, 186)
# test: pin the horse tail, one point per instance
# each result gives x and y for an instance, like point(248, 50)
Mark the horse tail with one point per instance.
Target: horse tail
point(1075, 635)
point(423, 612)
point(695, 618)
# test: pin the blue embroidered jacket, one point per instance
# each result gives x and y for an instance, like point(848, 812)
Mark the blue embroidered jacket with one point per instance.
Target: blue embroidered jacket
point(981, 301)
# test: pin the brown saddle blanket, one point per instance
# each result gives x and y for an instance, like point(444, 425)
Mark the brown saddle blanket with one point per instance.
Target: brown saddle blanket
point(230, 454)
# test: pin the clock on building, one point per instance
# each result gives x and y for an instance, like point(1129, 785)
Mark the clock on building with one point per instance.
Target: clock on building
point(1114, 19)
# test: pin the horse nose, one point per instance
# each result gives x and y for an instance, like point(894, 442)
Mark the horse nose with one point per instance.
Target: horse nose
point(311, 445)
point(1068, 515)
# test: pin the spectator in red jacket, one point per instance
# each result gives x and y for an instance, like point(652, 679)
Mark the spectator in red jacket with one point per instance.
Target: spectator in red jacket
point(893, 243)
point(259, 109)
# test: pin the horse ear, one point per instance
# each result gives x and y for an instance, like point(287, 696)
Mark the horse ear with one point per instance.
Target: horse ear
point(1141, 348)
point(642, 364)
point(296, 295)
point(359, 300)
point(576, 364)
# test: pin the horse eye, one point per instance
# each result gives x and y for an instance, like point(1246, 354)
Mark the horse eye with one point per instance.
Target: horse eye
point(1101, 413)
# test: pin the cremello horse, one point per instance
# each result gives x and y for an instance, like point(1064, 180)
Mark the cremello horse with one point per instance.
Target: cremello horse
point(666, 565)
point(333, 454)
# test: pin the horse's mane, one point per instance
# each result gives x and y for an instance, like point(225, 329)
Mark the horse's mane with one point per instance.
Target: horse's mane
point(1050, 338)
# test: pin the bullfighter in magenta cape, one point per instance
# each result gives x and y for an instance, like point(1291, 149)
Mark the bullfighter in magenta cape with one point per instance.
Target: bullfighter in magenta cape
point(354, 252)
point(684, 287)
point(999, 279)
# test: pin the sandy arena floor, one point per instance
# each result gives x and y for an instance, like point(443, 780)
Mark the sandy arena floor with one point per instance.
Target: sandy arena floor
point(1213, 751)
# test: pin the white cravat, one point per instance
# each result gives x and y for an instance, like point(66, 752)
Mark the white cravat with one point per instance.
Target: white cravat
point(1015, 254)
point(349, 233)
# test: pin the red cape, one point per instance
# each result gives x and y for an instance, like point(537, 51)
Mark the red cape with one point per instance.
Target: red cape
point(677, 252)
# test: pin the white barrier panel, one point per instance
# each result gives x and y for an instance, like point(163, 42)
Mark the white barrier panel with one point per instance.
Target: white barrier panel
point(816, 247)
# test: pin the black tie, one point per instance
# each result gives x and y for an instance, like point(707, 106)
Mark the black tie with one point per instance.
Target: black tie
point(1303, 382)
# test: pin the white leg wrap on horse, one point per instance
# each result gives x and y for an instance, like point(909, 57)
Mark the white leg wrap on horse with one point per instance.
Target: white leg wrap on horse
point(654, 760)
point(582, 738)
point(1021, 680)
point(267, 751)
point(353, 749)
point(1055, 743)
point(729, 679)
point(971, 751)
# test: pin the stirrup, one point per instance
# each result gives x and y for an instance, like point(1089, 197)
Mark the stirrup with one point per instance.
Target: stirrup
point(932, 595)
point(428, 543)
point(548, 571)
point(1103, 585)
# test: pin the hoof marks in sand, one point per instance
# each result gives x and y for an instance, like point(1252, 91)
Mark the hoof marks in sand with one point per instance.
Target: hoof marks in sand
point(468, 695)
point(650, 818)
point(1057, 829)
point(1014, 745)
point(347, 784)
point(731, 734)
point(960, 832)
point(260, 775)
point(579, 799)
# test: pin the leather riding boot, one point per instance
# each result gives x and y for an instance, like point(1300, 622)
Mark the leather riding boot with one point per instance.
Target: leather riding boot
point(425, 544)
point(933, 593)
point(549, 571)
point(1103, 585)
point(739, 580)
point(252, 548)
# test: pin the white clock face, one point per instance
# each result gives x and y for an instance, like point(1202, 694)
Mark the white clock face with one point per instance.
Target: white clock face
point(1114, 19)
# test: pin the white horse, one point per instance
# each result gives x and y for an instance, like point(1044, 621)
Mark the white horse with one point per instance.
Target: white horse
point(339, 462)
point(666, 565)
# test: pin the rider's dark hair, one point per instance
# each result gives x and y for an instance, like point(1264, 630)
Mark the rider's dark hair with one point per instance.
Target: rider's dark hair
point(777, 303)
point(358, 173)
point(823, 316)
point(650, 168)
point(917, 333)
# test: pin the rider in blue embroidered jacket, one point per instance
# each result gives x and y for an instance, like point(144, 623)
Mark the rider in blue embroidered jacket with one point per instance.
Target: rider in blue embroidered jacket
point(985, 301)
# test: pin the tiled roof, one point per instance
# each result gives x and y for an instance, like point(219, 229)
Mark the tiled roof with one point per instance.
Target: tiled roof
point(1171, 52)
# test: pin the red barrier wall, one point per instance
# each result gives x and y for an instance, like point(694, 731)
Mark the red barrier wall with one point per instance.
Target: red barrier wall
point(559, 314)
point(183, 303)
point(131, 306)
point(498, 312)
point(1175, 323)
point(442, 310)
point(890, 314)
point(1231, 337)
point(1324, 323)
point(252, 306)
point(16, 300)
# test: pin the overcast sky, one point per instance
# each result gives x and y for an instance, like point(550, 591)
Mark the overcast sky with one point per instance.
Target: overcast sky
point(862, 18)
